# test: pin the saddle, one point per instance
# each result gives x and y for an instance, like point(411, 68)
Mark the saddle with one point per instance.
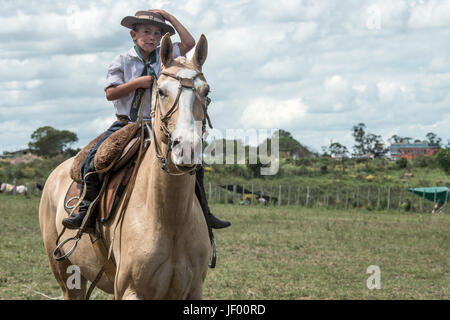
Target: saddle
point(125, 141)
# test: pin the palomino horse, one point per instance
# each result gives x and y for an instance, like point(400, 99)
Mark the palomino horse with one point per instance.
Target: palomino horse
point(161, 247)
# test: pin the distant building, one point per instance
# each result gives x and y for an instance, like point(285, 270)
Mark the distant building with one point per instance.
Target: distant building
point(413, 150)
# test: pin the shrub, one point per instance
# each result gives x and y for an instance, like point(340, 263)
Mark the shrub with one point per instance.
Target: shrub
point(402, 163)
point(443, 159)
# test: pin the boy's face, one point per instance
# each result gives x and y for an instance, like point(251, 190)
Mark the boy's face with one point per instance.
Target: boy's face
point(147, 37)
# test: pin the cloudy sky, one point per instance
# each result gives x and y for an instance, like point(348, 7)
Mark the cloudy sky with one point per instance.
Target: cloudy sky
point(314, 68)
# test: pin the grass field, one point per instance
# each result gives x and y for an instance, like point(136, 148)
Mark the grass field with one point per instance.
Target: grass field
point(272, 253)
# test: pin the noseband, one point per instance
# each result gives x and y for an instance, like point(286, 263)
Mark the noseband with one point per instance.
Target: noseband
point(187, 83)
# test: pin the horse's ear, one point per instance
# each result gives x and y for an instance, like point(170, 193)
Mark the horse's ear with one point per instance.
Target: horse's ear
point(201, 51)
point(166, 51)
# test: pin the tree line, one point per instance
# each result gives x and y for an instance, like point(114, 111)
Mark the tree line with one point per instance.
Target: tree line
point(371, 145)
point(50, 142)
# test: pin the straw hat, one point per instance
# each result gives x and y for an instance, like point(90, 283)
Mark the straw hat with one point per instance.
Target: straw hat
point(146, 17)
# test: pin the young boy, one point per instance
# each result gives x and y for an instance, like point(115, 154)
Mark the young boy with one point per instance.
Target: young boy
point(129, 76)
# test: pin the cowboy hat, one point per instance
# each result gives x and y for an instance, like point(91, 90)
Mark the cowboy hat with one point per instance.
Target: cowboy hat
point(146, 17)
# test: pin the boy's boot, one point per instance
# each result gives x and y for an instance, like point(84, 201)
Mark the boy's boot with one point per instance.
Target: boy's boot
point(92, 190)
point(214, 222)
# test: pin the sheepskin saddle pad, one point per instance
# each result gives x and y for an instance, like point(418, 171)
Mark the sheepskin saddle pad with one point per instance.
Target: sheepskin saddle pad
point(124, 141)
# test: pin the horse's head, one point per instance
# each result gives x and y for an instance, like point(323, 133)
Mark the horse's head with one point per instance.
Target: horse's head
point(180, 100)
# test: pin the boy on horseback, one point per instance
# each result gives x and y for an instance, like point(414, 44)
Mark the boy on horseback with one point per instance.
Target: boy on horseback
point(129, 75)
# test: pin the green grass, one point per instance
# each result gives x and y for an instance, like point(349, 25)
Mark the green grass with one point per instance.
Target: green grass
point(272, 253)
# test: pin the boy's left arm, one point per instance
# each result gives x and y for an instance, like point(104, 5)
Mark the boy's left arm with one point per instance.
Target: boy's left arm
point(187, 41)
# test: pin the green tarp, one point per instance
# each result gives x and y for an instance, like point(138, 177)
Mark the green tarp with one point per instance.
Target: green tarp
point(441, 193)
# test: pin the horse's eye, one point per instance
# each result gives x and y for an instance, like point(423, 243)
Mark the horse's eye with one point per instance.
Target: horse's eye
point(162, 92)
point(205, 91)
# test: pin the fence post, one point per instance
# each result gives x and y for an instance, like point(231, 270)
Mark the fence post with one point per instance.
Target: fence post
point(346, 199)
point(389, 198)
point(225, 196)
point(379, 199)
point(422, 202)
point(279, 196)
point(357, 197)
point(289, 195)
point(15, 186)
point(308, 195)
point(446, 201)
point(210, 192)
point(218, 189)
point(368, 198)
point(252, 194)
point(338, 197)
point(297, 198)
point(400, 200)
point(318, 196)
point(328, 196)
point(434, 202)
point(412, 201)
point(270, 197)
point(234, 194)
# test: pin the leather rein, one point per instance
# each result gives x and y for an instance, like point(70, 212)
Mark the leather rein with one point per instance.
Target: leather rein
point(187, 83)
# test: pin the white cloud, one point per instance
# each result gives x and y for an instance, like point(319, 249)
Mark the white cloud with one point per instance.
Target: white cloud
point(389, 91)
point(435, 13)
point(270, 113)
point(304, 31)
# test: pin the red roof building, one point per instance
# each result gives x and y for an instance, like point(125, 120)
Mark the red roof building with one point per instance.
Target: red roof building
point(413, 150)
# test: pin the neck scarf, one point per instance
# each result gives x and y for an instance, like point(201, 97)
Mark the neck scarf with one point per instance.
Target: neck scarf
point(139, 93)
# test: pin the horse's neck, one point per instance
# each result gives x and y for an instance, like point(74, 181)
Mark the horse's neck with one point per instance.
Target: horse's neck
point(168, 197)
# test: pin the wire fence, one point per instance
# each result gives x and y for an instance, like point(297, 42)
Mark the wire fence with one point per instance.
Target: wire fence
point(375, 198)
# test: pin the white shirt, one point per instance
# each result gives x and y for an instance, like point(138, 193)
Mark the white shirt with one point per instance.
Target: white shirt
point(126, 67)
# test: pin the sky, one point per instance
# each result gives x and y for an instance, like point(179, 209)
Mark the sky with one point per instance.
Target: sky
point(313, 68)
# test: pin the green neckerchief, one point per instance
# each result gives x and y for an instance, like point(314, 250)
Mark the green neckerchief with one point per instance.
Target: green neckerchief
point(139, 93)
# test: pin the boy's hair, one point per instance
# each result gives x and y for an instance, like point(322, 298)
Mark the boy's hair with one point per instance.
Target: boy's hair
point(136, 26)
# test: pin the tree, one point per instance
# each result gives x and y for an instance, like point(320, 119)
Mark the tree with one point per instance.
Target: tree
point(288, 145)
point(443, 158)
point(337, 150)
point(369, 143)
point(398, 139)
point(432, 138)
point(49, 142)
point(395, 139)
point(359, 134)
point(374, 145)
point(406, 140)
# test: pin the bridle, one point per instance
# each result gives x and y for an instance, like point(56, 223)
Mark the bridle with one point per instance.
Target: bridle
point(187, 83)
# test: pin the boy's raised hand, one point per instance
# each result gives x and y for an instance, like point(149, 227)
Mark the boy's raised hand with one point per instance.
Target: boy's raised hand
point(165, 14)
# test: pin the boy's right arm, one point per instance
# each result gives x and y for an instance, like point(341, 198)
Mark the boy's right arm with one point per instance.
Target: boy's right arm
point(117, 92)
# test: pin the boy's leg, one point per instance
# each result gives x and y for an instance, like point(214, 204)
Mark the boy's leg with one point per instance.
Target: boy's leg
point(91, 181)
point(215, 222)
